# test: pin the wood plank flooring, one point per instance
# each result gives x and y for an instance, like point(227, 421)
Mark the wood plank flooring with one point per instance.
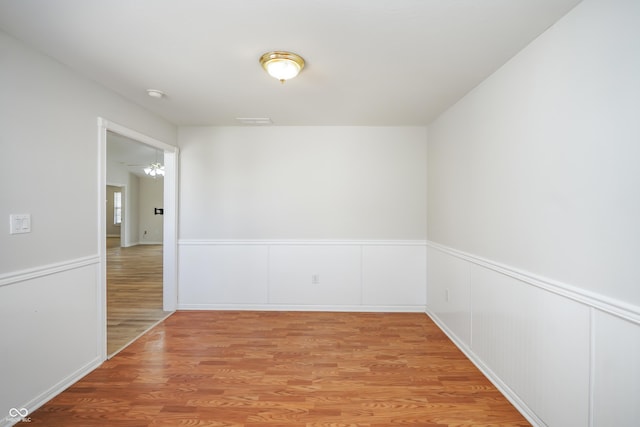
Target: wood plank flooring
point(134, 292)
point(259, 369)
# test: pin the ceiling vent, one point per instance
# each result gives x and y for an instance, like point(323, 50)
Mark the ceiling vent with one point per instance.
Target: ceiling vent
point(254, 121)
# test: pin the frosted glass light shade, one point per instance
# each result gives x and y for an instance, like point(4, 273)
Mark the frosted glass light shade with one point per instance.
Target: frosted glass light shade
point(282, 65)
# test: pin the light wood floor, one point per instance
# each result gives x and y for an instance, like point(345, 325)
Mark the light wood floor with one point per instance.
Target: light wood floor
point(285, 369)
point(134, 292)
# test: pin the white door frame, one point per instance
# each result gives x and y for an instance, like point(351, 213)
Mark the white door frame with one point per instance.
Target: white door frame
point(170, 222)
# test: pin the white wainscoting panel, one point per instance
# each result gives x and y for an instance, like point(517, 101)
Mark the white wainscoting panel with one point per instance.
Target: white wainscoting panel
point(48, 332)
point(449, 293)
point(222, 274)
point(536, 342)
point(563, 356)
point(302, 275)
point(616, 382)
point(394, 275)
point(337, 268)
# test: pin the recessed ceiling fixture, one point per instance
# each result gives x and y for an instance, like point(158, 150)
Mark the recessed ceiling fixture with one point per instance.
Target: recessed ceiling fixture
point(155, 93)
point(282, 65)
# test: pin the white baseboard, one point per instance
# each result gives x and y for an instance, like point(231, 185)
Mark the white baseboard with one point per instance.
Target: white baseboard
point(292, 307)
point(299, 242)
point(146, 242)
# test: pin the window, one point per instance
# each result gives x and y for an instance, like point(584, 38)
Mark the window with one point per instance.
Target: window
point(117, 207)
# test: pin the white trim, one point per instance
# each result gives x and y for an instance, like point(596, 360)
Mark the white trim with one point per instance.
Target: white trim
point(135, 135)
point(268, 278)
point(495, 380)
point(293, 242)
point(591, 299)
point(46, 270)
point(470, 293)
point(101, 294)
point(362, 273)
point(58, 388)
point(299, 307)
point(170, 231)
point(592, 364)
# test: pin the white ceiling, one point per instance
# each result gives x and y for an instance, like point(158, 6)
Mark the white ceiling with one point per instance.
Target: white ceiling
point(130, 155)
point(369, 62)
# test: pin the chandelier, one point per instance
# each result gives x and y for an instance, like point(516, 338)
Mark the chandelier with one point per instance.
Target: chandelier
point(155, 169)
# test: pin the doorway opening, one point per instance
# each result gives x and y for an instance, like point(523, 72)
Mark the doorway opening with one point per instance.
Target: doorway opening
point(137, 239)
point(134, 241)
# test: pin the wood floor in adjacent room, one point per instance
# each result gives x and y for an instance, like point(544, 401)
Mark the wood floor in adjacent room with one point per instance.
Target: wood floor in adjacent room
point(223, 368)
point(134, 292)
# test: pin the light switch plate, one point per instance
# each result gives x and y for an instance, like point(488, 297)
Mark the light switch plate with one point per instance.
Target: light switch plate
point(19, 223)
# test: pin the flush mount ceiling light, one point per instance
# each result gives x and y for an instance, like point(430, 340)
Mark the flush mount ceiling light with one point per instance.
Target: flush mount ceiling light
point(282, 65)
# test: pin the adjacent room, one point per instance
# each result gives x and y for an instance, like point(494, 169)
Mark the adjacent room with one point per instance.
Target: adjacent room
point(134, 240)
point(329, 212)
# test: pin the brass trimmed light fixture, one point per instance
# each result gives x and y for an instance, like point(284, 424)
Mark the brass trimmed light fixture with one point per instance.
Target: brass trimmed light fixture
point(282, 65)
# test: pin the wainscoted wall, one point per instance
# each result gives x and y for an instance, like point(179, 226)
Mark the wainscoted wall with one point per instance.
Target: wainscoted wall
point(50, 313)
point(615, 370)
point(38, 360)
point(302, 275)
point(535, 171)
point(564, 356)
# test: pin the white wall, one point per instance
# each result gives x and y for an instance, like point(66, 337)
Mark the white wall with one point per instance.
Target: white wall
point(547, 157)
point(150, 197)
point(302, 182)
point(132, 211)
point(49, 278)
point(533, 225)
point(263, 209)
